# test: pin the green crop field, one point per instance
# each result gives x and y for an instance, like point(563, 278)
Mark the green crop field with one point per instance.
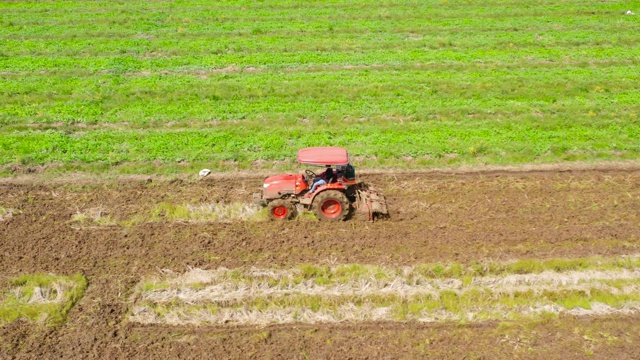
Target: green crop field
point(166, 86)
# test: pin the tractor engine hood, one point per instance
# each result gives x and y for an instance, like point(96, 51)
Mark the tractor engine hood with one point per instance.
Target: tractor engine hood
point(279, 185)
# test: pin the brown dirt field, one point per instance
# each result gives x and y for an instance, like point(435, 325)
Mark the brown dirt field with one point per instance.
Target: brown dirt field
point(471, 217)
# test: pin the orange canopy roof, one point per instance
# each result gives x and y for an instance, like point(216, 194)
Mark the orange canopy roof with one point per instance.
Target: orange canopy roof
point(324, 155)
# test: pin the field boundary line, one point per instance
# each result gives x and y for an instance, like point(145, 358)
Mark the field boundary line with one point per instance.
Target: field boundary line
point(466, 170)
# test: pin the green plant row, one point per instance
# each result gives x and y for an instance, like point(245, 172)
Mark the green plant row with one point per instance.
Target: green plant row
point(326, 275)
point(385, 144)
point(473, 305)
point(558, 93)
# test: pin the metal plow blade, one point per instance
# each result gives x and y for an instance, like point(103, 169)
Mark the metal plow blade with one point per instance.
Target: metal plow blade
point(370, 203)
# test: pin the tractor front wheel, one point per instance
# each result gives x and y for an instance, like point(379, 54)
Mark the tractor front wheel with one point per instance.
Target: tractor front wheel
point(281, 210)
point(331, 205)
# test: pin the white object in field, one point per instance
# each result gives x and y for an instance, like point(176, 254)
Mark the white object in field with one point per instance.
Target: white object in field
point(204, 172)
point(629, 12)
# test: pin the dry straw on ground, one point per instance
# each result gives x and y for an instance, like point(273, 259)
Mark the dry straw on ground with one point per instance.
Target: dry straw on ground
point(205, 212)
point(370, 293)
point(5, 213)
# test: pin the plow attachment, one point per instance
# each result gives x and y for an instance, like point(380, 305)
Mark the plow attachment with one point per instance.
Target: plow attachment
point(370, 203)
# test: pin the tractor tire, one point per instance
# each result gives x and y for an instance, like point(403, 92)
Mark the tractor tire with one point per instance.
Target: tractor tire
point(280, 210)
point(331, 205)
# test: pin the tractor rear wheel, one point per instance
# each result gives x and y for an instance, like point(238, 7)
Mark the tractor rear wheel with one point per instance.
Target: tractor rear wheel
point(281, 210)
point(331, 205)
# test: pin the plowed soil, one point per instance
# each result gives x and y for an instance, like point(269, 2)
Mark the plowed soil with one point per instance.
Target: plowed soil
point(463, 218)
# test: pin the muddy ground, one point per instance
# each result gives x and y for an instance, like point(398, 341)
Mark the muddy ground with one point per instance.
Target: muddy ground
point(465, 218)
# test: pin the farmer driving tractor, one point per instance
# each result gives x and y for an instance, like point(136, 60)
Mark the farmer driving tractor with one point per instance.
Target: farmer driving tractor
point(325, 178)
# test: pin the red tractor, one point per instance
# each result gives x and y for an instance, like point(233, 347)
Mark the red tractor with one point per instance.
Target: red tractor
point(333, 198)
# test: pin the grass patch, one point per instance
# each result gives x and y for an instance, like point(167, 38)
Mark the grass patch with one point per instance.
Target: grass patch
point(163, 211)
point(226, 84)
point(525, 266)
point(91, 217)
point(42, 298)
point(6, 213)
point(203, 212)
point(358, 292)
